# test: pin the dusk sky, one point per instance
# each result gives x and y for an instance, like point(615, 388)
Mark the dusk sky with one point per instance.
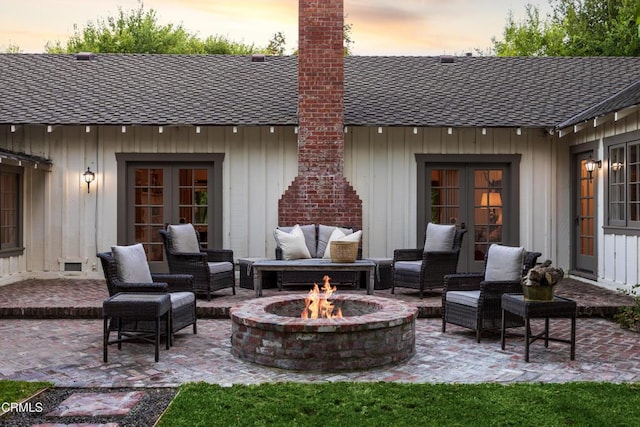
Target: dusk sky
point(380, 27)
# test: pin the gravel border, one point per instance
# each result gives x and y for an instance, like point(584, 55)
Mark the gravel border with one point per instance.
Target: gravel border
point(145, 413)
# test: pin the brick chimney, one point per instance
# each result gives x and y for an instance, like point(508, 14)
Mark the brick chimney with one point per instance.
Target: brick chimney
point(320, 193)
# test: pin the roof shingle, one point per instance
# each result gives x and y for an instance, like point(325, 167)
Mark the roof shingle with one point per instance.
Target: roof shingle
point(117, 89)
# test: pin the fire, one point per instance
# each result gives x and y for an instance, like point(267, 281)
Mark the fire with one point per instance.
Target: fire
point(317, 305)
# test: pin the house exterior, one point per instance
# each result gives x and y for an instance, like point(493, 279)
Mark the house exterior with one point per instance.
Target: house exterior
point(231, 143)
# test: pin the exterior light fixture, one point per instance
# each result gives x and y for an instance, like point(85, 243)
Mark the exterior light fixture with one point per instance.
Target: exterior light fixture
point(89, 177)
point(590, 166)
point(616, 166)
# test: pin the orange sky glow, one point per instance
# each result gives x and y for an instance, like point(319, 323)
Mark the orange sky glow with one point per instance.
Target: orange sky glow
point(380, 27)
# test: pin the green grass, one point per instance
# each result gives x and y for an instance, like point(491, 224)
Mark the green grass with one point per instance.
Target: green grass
point(393, 404)
point(16, 391)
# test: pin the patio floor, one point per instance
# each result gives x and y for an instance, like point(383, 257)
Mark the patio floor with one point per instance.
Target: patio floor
point(50, 330)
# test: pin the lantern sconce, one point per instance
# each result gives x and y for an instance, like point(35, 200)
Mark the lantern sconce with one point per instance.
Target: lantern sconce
point(590, 166)
point(89, 177)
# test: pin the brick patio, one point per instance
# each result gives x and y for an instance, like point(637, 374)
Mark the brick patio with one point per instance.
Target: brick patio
point(68, 349)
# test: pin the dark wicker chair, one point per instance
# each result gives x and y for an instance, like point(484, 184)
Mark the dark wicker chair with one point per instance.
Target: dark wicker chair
point(425, 270)
point(183, 312)
point(208, 267)
point(482, 307)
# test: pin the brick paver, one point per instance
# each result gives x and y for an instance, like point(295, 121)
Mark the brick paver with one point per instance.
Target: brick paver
point(68, 352)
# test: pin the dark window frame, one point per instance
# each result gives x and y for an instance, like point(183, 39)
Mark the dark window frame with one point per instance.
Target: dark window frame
point(15, 248)
point(619, 226)
point(511, 160)
point(215, 159)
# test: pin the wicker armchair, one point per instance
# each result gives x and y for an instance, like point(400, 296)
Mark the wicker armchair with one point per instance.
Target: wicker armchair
point(180, 287)
point(417, 269)
point(212, 269)
point(470, 301)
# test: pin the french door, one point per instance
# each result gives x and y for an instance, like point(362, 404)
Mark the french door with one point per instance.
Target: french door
point(584, 231)
point(478, 196)
point(160, 193)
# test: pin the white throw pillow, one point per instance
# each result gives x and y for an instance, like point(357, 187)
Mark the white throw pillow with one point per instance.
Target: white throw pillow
point(504, 263)
point(338, 235)
point(131, 262)
point(184, 238)
point(309, 231)
point(293, 244)
point(439, 237)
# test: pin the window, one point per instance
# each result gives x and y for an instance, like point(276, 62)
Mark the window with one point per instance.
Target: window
point(10, 210)
point(623, 182)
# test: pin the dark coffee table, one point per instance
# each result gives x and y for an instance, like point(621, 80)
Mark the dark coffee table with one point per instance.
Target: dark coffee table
point(558, 308)
point(312, 265)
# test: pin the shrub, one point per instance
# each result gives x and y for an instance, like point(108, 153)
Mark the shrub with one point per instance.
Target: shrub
point(629, 317)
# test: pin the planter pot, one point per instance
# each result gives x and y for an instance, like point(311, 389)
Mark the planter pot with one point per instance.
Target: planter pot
point(538, 293)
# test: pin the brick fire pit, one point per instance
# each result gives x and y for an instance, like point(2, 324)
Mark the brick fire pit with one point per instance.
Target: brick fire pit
point(373, 332)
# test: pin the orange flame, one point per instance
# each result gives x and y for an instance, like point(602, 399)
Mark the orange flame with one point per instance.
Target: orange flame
point(317, 305)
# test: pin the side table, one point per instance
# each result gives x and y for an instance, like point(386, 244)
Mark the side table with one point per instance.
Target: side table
point(245, 265)
point(383, 278)
point(136, 306)
point(558, 308)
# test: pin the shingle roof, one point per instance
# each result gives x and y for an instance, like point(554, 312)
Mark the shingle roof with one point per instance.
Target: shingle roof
point(233, 90)
point(627, 97)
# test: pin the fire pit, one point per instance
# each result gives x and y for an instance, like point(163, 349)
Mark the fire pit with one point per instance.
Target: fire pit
point(372, 332)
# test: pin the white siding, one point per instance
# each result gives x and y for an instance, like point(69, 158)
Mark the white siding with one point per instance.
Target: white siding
point(65, 224)
point(618, 255)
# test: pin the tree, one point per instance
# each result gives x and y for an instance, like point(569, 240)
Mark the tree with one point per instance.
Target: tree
point(11, 48)
point(276, 44)
point(574, 28)
point(138, 31)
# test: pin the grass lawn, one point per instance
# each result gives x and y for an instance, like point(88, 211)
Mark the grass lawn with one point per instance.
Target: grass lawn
point(393, 404)
point(16, 391)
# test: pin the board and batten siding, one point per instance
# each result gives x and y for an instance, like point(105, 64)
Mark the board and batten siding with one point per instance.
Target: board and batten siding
point(65, 224)
point(618, 255)
point(382, 167)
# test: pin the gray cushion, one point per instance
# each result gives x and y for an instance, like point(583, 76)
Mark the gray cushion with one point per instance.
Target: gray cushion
point(180, 299)
point(309, 232)
point(220, 267)
point(468, 298)
point(439, 237)
point(324, 234)
point(504, 263)
point(412, 266)
point(131, 262)
point(184, 238)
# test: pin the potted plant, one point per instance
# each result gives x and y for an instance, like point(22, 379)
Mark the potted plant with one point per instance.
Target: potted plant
point(539, 283)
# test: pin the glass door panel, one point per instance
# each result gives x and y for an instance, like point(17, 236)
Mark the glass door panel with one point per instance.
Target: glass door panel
point(193, 203)
point(488, 210)
point(445, 196)
point(148, 210)
point(585, 221)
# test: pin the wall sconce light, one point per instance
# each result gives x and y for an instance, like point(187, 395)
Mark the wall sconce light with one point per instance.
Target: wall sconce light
point(590, 166)
point(89, 177)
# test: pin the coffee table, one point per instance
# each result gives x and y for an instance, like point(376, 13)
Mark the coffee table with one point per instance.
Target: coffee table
point(558, 308)
point(312, 265)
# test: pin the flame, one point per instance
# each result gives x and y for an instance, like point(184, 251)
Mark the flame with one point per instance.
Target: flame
point(317, 305)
